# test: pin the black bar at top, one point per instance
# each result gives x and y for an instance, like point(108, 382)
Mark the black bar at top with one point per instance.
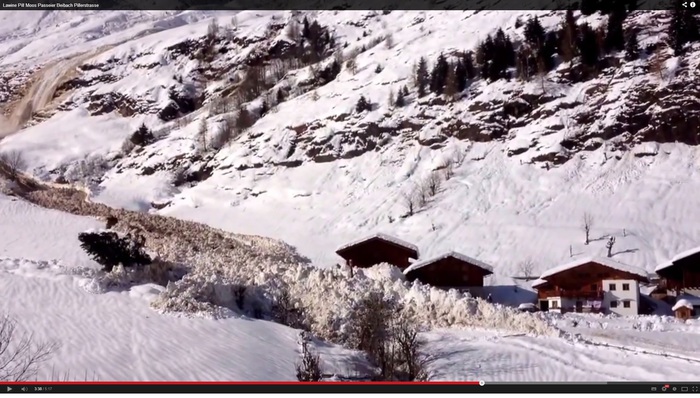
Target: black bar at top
point(339, 388)
point(312, 4)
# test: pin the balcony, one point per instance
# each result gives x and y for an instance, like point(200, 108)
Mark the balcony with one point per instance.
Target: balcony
point(572, 294)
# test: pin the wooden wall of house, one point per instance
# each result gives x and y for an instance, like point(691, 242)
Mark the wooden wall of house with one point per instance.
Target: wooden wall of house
point(584, 277)
point(375, 252)
point(448, 273)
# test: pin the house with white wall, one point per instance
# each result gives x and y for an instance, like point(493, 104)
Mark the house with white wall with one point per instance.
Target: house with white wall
point(590, 284)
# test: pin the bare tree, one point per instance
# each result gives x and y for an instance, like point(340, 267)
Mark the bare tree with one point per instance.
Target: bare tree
point(433, 183)
point(460, 156)
point(213, 30)
point(410, 200)
point(389, 40)
point(14, 162)
point(587, 225)
point(656, 63)
point(20, 355)
point(526, 268)
point(408, 349)
point(351, 66)
point(609, 245)
point(542, 72)
point(202, 135)
point(447, 167)
point(309, 369)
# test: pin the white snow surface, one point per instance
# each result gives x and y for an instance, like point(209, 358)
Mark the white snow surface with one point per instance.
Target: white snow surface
point(599, 260)
point(452, 254)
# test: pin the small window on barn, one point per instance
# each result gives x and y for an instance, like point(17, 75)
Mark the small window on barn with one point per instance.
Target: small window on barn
point(555, 304)
point(625, 286)
point(627, 304)
point(613, 287)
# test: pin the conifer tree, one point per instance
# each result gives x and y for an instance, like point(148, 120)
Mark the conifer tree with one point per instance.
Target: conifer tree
point(438, 76)
point(422, 77)
point(534, 33)
point(683, 28)
point(588, 46)
point(614, 37)
point(569, 38)
point(632, 46)
point(400, 99)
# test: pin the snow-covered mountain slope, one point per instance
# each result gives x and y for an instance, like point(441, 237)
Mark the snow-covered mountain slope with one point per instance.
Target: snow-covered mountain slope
point(529, 158)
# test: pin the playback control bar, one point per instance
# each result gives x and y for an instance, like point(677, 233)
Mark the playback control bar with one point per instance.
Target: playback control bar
point(347, 387)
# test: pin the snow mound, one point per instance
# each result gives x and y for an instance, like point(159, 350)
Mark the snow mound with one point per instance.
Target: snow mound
point(384, 271)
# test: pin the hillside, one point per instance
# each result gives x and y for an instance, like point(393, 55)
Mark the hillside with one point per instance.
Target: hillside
point(529, 157)
point(253, 130)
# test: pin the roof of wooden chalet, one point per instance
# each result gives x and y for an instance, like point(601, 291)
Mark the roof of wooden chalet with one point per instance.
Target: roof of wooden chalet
point(392, 240)
point(606, 262)
point(458, 256)
point(678, 258)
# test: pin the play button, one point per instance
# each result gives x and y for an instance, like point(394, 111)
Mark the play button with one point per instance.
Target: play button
point(9, 389)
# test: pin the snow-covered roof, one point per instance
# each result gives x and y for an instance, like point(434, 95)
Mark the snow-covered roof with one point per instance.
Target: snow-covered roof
point(664, 265)
point(384, 237)
point(685, 254)
point(682, 303)
point(538, 282)
point(459, 256)
point(527, 306)
point(599, 260)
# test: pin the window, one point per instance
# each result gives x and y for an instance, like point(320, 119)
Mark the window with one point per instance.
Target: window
point(613, 304)
point(625, 286)
point(555, 304)
point(613, 287)
point(626, 304)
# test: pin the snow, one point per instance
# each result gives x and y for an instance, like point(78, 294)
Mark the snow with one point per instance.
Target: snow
point(384, 237)
point(120, 337)
point(687, 253)
point(599, 260)
point(501, 209)
point(452, 254)
point(682, 303)
point(538, 282)
point(663, 265)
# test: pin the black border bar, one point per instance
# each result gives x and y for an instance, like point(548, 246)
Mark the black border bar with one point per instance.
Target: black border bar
point(346, 387)
point(9, 5)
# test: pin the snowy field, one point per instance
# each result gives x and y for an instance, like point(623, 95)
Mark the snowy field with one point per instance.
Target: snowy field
point(117, 336)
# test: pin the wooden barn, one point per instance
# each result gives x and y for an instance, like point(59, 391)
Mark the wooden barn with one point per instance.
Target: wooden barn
point(591, 285)
point(450, 271)
point(377, 249)
point(682, 273)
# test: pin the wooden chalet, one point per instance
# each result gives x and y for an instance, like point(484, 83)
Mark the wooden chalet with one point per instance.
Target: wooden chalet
point(377, 249)
point(591, 285)
point(450, 270)
point(682, 273)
